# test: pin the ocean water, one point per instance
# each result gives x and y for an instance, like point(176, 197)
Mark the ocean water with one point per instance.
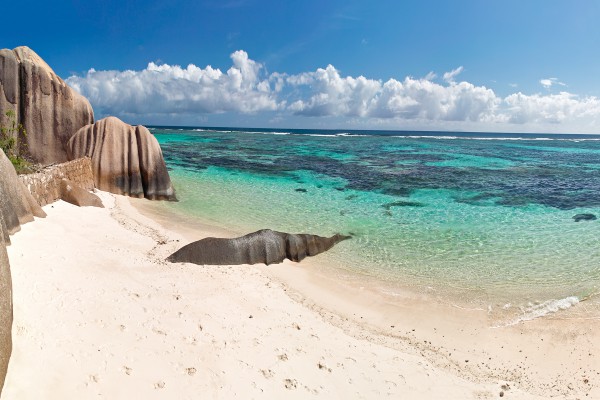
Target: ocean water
point(479, 220)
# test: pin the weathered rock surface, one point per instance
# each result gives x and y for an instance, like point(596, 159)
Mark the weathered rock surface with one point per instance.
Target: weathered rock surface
point(6, 309)
point(80, 197)
point(48, 108)
point(126, 160)
point(17, 206)
point(45, 185)
point(264, 246)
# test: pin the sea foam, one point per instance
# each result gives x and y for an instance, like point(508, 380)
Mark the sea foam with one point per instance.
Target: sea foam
point(272, 133)
point(543, 309)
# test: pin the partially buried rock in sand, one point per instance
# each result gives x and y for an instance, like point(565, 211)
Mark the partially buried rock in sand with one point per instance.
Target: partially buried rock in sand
point(264, 246)
point(78, 196)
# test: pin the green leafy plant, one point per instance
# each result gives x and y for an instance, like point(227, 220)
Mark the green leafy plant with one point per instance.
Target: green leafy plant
point(9, 142)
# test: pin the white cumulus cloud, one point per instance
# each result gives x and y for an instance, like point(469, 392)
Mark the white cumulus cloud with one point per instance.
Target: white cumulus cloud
point(167, 89)
point(331, 94)
point(247, 88)
point(554, 108)
point(334, 95)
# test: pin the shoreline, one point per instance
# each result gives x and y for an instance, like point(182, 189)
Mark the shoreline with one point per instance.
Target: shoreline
point(500, 312)
point(98, 312)
point(524, 352)
point(365, 259)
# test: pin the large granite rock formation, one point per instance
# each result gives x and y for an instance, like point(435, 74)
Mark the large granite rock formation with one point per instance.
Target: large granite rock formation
point(17, 205)
point(6, 309)
point(264, 246)
point(48, 108)
point(125, 159)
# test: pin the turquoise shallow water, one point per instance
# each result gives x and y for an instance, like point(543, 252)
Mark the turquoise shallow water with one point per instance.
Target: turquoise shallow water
point(478, 220)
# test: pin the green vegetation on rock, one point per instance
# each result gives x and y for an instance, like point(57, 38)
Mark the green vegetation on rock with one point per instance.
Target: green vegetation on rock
point(9, 142)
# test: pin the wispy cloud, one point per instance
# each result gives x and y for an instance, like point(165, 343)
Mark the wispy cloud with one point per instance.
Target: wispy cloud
point(549, 82)
point(346, 17)
point(430, 76)
point(449, 76)
point(231, 38)
point(247, 88)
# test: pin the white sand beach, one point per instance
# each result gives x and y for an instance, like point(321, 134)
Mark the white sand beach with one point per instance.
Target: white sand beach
point(99, 314)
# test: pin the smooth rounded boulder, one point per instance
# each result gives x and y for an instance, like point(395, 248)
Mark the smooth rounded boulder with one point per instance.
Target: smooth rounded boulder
point(126, 159)
point(260, 247)
point(49, 110)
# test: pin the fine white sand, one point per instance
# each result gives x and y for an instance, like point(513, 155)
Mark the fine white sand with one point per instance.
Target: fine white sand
point(99, 314)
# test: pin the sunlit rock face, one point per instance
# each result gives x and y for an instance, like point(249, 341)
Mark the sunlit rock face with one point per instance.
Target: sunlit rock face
point(126, 159)
point(50, 111)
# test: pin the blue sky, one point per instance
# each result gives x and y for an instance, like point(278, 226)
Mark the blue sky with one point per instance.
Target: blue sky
point(525, 66)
